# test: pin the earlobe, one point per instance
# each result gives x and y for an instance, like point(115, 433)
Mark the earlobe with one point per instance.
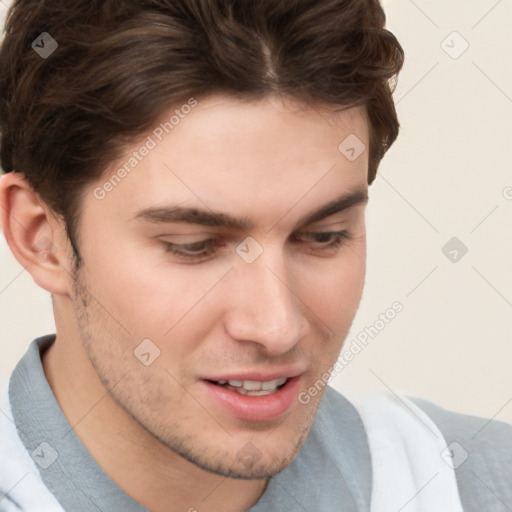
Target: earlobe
point(35, 237)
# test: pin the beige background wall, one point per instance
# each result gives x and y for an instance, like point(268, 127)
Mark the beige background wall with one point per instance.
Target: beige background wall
point(449, 175)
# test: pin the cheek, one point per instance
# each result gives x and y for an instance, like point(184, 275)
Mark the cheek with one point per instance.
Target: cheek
point(129, 290)
point(154, 301)
point(334, 291)
point(334, 297)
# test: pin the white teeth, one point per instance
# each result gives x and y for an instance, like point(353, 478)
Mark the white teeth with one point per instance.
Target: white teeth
point(272, 384)
point(254, 386)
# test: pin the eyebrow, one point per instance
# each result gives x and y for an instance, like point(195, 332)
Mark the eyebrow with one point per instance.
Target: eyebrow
point(211, 218)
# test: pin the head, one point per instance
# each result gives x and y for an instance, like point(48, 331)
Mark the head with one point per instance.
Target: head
point(189, 180)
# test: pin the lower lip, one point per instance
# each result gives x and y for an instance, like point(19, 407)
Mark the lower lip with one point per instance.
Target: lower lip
point(255, 408)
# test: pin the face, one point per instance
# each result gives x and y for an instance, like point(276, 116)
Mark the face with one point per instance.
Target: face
point(221, 275)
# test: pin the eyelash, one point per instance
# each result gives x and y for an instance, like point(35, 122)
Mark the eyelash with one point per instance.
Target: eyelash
point(340, 237)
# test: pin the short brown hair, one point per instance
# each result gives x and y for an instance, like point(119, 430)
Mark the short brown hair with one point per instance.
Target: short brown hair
point(119, 63)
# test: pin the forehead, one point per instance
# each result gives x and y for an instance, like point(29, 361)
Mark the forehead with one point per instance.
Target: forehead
point(237, 156)
point(270, 128)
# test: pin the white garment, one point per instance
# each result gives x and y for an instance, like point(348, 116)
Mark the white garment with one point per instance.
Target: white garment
point(409, 472)
point(19, 474)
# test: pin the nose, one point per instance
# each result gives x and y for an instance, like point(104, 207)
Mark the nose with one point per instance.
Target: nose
point(265, 306)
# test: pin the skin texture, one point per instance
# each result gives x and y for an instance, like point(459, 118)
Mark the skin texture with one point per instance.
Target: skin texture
point(154, 429)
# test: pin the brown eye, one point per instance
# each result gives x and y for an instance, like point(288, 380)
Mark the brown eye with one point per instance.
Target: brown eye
point(325, 239)
point(200, 249)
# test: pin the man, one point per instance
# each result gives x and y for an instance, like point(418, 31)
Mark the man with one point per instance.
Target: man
point(189, 179)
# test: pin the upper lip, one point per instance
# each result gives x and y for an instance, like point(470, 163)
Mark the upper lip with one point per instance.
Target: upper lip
point(259, 376)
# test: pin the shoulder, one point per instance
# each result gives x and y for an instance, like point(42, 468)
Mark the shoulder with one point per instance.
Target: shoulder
point(478, 451)
point(486, 437)
point(481, 451)
point(21, 486)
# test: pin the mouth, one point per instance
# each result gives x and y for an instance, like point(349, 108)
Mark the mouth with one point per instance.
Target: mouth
point(252, 387)
point(255, 398)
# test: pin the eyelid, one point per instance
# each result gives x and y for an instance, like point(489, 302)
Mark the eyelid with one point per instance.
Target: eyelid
point(210, 245)
point(325, 225)
point(334, 233)
point(180, 236)
point(212, 238)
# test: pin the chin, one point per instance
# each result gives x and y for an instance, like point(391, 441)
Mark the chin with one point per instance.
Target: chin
point(249, 460)
point(246, 469)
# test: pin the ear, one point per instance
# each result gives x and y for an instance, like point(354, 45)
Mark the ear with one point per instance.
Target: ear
point(35, 236)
